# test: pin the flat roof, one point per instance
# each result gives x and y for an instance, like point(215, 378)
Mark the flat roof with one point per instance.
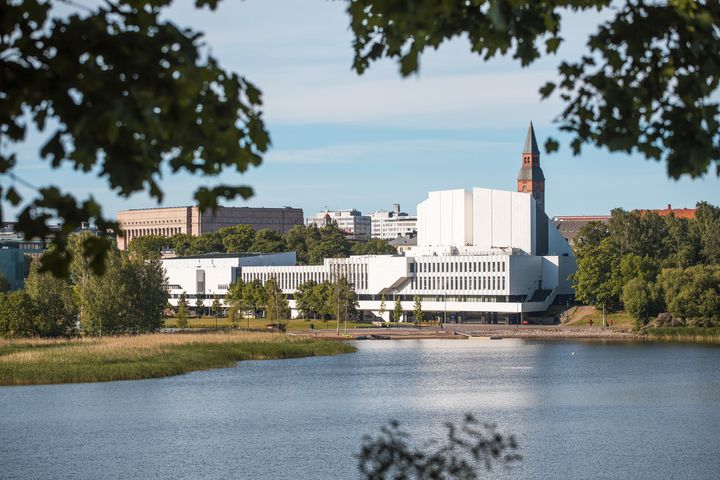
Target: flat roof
point(224, 255)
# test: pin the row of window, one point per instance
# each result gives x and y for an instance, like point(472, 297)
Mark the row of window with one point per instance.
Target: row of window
point(457, 266)
point(443, 298)
point(458, 283)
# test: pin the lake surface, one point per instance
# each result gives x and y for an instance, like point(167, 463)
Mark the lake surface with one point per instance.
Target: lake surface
point(611, 410)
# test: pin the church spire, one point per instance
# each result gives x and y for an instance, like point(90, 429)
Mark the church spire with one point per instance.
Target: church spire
point(530, 141)
point(531, 179)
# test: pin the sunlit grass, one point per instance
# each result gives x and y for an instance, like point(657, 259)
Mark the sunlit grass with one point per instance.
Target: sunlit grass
point(38, 361)
point(294, 325)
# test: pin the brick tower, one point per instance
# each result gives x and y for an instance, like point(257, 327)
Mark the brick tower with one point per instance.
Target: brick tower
point(531, 178)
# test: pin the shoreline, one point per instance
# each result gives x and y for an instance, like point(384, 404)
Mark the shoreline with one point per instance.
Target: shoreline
point(498, 332)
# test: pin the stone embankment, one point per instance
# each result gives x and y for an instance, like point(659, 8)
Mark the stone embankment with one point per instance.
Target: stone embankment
point(546, 332)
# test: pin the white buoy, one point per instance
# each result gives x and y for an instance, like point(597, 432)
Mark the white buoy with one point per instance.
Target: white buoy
point(573, 353)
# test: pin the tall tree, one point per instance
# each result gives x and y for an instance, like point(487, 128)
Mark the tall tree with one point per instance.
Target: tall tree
point(268, 241)
point(707, 225)
point(254, 296)
point(17, 312)
point(382, 306)
point(417, 311)
point(238, 238)
point(276, 303)
point(235, 300)
point(182, 311)
point(54, 301)
point(397, 310)
point(642, 300)
point(597, 280)
point(305, 299)
point(199, 305)
point(118, 90)
point(149, 246)
point(297, 241)
point(331, 244)
point(216, 308)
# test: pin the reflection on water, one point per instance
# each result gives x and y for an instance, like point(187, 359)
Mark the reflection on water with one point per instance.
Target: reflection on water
point(579, 410)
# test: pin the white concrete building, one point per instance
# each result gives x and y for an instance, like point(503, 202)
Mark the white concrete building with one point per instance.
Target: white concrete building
point(482, 255)
point(393, 224)
point(210, 276)
point(350, 221)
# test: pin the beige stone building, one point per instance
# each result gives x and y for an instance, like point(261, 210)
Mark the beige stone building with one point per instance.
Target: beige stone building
point(190, 220)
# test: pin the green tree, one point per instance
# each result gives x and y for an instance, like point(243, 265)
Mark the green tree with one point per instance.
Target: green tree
point(297, 240)
point(634, 90)
point(237, 239)
point(707, 226)
point(276, 302)
point(54, 302)
point(374, 246)
point(417, 311)
point(382, 306)
point(397, 310)
point(145, 295)
point(4, 283)
point(121, 91)
point(345, 299)
point(268, 241)
point(255, 296)
point(235, 301)
point(331, 244)
point(149, 246)
point(633, 266)
point(325, 300)
point(182, 311)
point(693, 293)
point(210, 242)
point(199, 305)
point(17, 314)
point(305, 299)
point(683, 243)
point(181, 243)
point(216, 308)
point(642, 300)
point(597, 281)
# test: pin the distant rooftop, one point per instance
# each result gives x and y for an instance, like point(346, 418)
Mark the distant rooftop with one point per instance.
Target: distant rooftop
point(223, 255)
point(193, 206)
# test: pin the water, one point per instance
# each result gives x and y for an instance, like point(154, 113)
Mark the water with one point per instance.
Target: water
point(615, 410)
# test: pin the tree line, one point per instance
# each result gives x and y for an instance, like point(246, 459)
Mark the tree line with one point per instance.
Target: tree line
point(651, 264)
point(128, 298)
point(318, 301)
point(311, 244)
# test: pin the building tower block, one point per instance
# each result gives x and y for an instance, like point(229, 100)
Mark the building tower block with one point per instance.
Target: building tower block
point(531, 178)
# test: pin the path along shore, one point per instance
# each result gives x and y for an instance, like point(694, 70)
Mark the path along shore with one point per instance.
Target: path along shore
point(464, 331)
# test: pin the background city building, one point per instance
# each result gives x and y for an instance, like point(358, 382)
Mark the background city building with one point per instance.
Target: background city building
point(389, 225)
point(192, 221)
point(350, 221)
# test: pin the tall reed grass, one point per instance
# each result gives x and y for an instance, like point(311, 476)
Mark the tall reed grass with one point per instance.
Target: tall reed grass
point(41, 361)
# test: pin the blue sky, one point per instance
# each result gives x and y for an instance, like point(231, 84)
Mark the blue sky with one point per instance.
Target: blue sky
point(341, 140)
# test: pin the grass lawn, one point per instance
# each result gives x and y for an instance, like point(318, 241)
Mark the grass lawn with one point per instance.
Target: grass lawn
point(41, 361)
point(294, 325)
point(619, 319)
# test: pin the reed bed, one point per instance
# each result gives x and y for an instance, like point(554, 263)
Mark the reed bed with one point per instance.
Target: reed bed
point(41, 361)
